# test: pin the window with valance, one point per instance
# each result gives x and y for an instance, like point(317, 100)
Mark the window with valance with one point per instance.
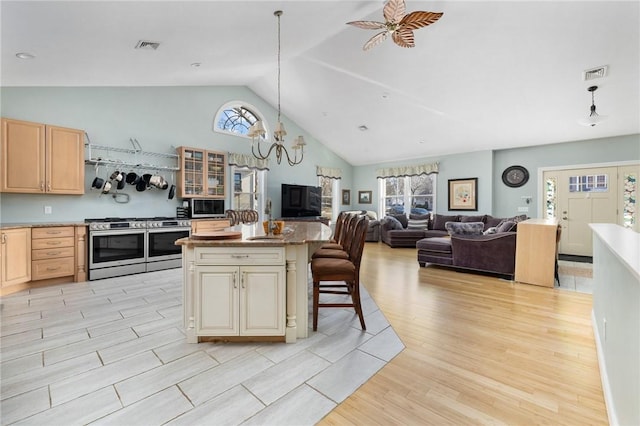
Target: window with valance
point(329, 181)
point(407, 189)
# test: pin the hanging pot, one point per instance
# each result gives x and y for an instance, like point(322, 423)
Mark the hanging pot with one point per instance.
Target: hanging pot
point(132, 178)
point(141, 186)
point(122, 182)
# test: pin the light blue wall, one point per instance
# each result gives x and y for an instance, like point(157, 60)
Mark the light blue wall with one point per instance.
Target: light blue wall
point(493, 196)
point(160, 118)
point(459, 166)
point(593, 151)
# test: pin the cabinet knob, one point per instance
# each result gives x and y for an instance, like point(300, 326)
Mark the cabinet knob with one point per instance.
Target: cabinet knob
point(4, 238)
point(565, 218)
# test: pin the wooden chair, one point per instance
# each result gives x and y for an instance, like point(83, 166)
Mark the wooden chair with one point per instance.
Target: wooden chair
point(341, 221)
point(340, 276)
point(339, 249)
point(558, 236)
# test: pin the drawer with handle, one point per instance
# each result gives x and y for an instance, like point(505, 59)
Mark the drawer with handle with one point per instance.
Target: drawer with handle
point(48, 243)
point(52, 232)
point(52, 253)
point(52, 268)
point(239, 256)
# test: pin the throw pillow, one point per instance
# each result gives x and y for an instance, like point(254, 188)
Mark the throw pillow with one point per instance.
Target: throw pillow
point(492, 222)
point(418, 224)
point(466, 228)
point(392, 223)
point(506, 226)
point(402, 218)
point(419, 216)
point(490, 231)
point(440, 220)
point(472, 218)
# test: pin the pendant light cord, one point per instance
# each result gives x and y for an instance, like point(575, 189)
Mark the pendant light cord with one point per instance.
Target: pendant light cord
point(278, 13)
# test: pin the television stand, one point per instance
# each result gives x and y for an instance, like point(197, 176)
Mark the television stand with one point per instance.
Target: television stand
point(306, 219)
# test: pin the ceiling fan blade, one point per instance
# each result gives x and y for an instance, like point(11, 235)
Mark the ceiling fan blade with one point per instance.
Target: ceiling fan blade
point(375, 40)
point(393, 10)
point(419, 19)
point(367, 25)
point(403, 37)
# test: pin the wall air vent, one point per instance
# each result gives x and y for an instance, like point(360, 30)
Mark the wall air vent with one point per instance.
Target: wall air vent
point(147, 45)
point(594, 73)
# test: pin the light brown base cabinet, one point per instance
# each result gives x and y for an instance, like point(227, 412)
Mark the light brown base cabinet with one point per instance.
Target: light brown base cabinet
point(15, 256)
point(38, 256)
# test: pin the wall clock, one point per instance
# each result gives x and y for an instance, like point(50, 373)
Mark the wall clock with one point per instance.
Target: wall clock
point(515, 176)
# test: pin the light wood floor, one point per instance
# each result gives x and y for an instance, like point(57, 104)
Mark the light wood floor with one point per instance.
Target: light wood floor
point(479, 350)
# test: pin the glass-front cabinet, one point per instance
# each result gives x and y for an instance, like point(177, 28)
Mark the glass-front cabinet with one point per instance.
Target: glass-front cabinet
point(202, 173)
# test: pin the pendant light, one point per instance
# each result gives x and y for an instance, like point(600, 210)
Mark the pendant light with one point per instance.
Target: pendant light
point(593, 118)
point(257, 130)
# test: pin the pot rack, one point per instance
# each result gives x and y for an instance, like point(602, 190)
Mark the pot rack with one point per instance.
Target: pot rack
point(137, 153)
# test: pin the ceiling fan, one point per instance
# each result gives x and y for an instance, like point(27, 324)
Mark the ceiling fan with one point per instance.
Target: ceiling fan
point(399, 25)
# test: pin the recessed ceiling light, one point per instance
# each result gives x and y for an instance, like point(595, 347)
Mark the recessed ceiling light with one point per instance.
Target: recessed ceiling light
point(363, 128)
point(385, 95)
point(196, 64)
point(25, 55)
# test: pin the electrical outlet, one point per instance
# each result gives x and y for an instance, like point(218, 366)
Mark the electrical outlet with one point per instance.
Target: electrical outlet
point(523, 209)
point(604, 329)
point(48, 210)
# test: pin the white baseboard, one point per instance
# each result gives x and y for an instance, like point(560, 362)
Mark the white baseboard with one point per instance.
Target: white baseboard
point(604, 378)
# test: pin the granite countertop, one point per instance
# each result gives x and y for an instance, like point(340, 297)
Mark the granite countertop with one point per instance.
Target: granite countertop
point(39, 224)
point(253, 235)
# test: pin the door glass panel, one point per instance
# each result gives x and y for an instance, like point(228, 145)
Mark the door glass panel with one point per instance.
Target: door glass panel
point(589, 183)
point(551, 185)
point(630, 197)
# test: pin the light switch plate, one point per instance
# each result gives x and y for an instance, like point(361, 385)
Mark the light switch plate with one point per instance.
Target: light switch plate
point(523, 209)
point(48, 210)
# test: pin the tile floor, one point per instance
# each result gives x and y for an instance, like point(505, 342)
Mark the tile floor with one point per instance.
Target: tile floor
point(113, 352)
point(576, 283)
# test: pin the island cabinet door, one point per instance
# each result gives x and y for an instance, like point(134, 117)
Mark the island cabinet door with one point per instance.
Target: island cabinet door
point(217, 301)
point(262, 300)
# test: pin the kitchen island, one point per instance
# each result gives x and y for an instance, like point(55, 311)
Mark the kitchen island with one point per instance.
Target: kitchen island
point(254, 287)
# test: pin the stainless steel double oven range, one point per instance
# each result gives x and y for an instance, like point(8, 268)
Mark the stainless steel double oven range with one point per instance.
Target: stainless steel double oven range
point(124, 246)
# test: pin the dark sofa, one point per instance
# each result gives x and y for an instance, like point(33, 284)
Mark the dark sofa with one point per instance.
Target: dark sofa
point(401, 231)
point(494, 253)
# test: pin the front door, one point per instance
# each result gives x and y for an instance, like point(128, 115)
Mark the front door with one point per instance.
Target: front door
point(584, 196)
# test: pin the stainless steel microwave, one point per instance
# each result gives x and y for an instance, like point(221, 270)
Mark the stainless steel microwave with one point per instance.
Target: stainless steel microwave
point(207, 207)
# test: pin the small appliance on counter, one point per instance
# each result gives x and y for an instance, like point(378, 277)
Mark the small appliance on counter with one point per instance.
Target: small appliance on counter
point(206, 208)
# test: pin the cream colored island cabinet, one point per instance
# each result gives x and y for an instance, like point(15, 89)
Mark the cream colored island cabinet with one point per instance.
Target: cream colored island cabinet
point(254, 287)
point(38, 158)
point(241, 292)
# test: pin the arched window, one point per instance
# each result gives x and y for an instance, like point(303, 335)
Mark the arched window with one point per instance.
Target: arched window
point(235, 118)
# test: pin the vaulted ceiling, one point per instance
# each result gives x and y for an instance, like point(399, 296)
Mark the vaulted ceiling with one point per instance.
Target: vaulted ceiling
point(487, 75)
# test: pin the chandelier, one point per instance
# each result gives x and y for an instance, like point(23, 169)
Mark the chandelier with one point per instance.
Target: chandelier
point(257, 131)
point(593, 118)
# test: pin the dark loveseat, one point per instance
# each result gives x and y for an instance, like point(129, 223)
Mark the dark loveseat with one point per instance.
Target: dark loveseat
point(495, 253)
point(400, 231)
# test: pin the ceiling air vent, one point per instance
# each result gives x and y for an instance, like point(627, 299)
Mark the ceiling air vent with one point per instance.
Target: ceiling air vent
point(594, 73)
point(147, 45)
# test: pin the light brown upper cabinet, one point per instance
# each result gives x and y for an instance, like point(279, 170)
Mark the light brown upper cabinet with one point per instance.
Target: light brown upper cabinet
point(202, 173)
point(38, 158)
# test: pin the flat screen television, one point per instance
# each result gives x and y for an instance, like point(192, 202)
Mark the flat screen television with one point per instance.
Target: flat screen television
point(301, 200)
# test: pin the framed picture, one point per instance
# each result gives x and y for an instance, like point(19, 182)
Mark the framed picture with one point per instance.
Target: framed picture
point(463, 194)
point(346, 197)
point(364, 197)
